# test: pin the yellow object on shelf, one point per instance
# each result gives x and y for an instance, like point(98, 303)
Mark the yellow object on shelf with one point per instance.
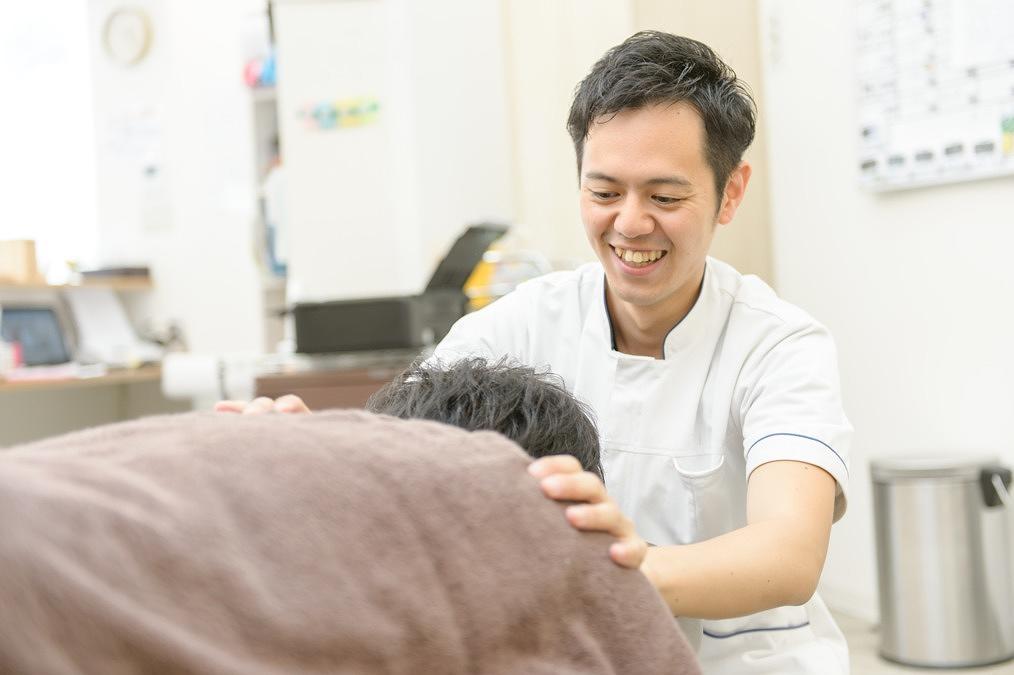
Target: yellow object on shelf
point(502, 267)
point(17, 262)
point(480, 279)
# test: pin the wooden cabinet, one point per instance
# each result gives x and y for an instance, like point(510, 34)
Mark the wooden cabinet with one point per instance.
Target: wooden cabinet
point(339, 388)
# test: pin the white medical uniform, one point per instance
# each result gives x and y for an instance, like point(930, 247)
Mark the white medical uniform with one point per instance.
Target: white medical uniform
point(747, 379)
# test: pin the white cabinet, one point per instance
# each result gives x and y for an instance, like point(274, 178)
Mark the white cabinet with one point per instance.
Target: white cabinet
point(394, 129)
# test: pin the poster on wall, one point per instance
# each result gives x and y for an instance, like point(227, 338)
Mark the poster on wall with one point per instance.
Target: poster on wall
point(935, 83)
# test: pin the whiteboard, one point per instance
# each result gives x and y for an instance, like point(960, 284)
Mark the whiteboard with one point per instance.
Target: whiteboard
point(935, 91)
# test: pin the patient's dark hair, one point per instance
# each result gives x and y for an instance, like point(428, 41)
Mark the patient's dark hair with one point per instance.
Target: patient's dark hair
point(531, 408)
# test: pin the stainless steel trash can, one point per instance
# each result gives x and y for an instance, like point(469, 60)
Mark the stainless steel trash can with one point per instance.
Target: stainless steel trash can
point(944, 561)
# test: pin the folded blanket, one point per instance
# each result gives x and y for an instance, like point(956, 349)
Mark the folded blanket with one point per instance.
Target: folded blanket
point(340, 542)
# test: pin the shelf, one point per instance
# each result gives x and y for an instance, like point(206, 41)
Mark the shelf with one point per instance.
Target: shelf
point(114, 283)
point(113, 377)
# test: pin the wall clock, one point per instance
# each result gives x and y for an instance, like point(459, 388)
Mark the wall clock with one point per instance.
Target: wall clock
point(127, 35)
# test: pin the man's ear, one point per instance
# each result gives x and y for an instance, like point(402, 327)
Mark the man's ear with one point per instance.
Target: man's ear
point(735, 189)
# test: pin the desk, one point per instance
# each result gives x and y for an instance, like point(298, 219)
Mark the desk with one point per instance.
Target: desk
point(125, 376)
point(31, 410)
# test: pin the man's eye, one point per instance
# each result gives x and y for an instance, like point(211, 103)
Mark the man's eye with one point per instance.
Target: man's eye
point(602, 195)
point(666, 201)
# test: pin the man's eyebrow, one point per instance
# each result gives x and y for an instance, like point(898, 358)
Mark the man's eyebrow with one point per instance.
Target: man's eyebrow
point(675, 181)
point(595, 175)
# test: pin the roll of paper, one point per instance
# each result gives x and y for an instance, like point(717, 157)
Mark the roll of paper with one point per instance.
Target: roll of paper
point(215, 377)
point(192, 376)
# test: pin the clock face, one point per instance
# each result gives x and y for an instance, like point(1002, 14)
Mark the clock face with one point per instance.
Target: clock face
point(127, 35)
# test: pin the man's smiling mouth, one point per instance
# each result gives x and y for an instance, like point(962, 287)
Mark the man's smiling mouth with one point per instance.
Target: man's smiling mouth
point(641, 258)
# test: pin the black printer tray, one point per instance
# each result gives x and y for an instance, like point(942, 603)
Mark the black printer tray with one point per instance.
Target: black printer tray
point(411, 321)
point(401, 322)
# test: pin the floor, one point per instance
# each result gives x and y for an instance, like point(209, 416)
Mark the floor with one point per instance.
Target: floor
point(863, 643)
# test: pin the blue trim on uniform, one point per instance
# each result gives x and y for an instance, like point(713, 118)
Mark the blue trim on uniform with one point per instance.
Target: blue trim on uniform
point(722, 636)
point(609, 319)
point(809, 438)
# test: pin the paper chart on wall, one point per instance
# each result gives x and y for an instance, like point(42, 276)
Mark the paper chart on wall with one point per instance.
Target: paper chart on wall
point(935, 92)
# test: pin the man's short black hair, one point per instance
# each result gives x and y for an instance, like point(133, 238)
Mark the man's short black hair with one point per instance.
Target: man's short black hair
point(531, 408)
point(651, 68)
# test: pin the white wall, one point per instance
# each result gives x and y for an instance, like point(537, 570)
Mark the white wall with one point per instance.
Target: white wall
point(185, 111)
point(551, 46)
point(914, 285)
point(45, 114)
point(730, 28)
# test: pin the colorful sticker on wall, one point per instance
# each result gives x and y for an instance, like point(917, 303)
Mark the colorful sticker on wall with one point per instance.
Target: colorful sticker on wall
point(343, 114)
point(1007, 128)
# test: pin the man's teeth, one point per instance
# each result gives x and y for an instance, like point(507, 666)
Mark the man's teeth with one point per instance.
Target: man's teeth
point(637, 256)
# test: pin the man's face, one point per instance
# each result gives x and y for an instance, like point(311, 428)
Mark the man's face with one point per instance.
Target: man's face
point(649, 206)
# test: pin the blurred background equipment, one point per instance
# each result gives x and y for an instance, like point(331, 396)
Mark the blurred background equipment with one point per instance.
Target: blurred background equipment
point(507, 263)
point(36, 331)
point(397, 322)
point(104, 331)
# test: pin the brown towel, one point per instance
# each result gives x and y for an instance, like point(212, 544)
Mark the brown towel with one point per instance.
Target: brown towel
point(340, 542)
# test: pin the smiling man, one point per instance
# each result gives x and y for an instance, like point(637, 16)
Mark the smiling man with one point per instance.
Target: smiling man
point(650, 207)
point(723, 436)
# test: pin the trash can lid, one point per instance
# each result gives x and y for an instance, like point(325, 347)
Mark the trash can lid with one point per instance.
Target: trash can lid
point(965, 467)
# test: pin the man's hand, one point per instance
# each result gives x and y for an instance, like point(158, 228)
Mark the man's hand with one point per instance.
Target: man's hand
point(562, 479)
point(289, 403)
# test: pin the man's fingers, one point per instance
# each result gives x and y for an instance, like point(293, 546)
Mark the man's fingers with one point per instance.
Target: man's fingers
point(290, 403)
point(551, 464)
point(606, 517)
point(602, 517)
point(258, 406)
point(562, 479)
point(574, 487)
point(629, 552)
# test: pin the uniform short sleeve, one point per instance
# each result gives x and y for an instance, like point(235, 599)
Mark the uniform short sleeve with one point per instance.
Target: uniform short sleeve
point(497, 330)
point(790, 407)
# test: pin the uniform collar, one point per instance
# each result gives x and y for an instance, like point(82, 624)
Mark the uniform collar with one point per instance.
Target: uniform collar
point(679, 336)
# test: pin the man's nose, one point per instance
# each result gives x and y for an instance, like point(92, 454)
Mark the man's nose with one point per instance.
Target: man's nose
point(633, 220)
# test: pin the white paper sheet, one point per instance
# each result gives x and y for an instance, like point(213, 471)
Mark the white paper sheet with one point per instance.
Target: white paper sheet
point(104, 332)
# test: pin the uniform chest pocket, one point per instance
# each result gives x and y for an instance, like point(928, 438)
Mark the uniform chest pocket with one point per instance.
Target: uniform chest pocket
point(674, 498)
point(707, 495)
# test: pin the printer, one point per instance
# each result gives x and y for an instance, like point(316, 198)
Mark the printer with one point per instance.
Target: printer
point(402, 322)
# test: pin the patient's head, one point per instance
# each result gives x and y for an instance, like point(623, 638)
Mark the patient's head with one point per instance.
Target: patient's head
point(532, 409)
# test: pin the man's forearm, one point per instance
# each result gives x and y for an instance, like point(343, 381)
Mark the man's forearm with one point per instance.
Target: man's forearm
point(758, 567)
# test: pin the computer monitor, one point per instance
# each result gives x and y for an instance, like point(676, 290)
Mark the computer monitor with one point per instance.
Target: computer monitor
point(37, 330)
